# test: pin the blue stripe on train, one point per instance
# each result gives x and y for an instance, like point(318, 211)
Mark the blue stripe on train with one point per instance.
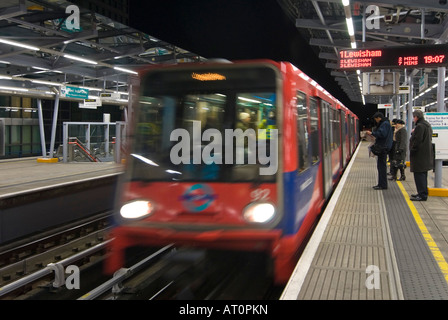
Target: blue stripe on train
point(298, 191)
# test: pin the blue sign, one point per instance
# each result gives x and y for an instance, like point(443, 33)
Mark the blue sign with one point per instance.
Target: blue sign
point(75, 92)
point(198, 197)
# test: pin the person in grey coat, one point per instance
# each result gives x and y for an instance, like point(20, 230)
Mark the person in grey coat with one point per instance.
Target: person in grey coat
point(421, 155)
point(399, 151)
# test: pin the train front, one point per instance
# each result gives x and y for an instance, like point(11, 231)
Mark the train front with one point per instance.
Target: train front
point(204, 168)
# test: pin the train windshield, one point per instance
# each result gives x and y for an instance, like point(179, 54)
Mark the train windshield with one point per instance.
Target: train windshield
point(207, 125)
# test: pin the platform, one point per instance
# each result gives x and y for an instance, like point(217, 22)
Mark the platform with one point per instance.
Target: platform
point(36, 197)
point(375, 244)
point(27, 174)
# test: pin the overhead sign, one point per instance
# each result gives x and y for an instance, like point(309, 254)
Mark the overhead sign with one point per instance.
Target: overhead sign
point(74, 92)
point(92, 102)
point(394, 57)
point(404, 89)
point(110, 95)
point(385, 105)
point(439, 124)
point(423, 82)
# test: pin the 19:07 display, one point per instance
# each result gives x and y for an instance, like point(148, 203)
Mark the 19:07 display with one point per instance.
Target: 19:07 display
point(434, 59)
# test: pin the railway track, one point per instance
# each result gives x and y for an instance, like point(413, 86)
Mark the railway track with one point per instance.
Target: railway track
point(68, 265)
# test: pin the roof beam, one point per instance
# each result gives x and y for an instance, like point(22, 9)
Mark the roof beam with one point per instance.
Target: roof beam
point(405, 30)
point(15, 11)
point(431, 5)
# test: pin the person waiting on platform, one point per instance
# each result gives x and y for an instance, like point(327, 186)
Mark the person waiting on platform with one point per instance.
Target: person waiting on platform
point(392, 149)
point(399, 151)
point(421, 155)
point(383, 138)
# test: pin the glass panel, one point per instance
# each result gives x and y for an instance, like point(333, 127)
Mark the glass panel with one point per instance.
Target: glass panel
point(302, 131)
point(314, 134)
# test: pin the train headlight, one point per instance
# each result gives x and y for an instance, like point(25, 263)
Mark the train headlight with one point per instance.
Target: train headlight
point(136, 209)
point(259, 212)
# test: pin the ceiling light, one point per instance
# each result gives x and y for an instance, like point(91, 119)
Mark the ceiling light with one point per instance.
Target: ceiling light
point(18, 44)
point(47, 82)
point(351, 30)
point(125, 70)
point(13, 89)
point(69, 56)
point(92, 89)
point(345, 3)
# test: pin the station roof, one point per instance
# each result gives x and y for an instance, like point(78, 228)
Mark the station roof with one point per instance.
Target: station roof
point(40, 51)
point(409, 23)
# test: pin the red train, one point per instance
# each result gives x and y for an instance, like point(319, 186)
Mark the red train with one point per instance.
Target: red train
point(234, 156)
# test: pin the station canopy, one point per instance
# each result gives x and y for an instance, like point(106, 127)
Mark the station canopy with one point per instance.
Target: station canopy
point(376, 25)
point(42, 50)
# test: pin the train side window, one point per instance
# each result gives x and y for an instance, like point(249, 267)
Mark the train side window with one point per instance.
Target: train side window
point(335, 126)
point(302, 131)
point(314, 133)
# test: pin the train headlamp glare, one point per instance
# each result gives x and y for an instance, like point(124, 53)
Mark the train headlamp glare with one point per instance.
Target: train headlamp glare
point(136, 209)
point(259, 212)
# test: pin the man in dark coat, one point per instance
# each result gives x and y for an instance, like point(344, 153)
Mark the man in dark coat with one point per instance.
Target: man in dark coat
point(421, 155)
point(384, 138)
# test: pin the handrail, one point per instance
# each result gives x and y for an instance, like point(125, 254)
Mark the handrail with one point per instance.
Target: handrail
point(84, 149)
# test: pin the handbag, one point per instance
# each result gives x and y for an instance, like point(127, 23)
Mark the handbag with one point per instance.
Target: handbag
point(400, 164)
point(377, 149)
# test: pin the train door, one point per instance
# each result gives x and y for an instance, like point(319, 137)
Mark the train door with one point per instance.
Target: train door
point(343, 138)
point(352, 134)
point(2, 137)
point(350, 144)
point(326, 146)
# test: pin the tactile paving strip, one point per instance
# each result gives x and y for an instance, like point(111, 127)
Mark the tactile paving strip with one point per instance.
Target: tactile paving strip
point(356, 237)
point(421, 278)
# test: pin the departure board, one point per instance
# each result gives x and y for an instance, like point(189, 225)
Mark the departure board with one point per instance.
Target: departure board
point(427, 56)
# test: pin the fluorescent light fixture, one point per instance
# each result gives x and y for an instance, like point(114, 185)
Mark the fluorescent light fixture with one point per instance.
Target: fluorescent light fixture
point(39, 68)
point(92, 89)
point(351, 30)
point(49, 83)
point(6, 77)
point(125, 70)
point(13, 89)
point(19, 44)
point(69, 56)
point(345, 3)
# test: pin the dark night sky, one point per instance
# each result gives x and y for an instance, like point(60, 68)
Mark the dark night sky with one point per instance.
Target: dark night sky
point(234, 30)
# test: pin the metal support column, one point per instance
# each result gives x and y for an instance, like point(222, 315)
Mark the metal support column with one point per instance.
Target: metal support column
point(410, 106)
point(65, 142)
point(441, 72)
point(53, 128)
point(41, 128)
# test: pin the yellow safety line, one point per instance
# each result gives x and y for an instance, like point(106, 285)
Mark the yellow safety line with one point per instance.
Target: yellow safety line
point(443, 265)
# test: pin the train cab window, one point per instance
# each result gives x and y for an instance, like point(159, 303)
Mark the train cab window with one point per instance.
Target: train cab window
point(302, 131)
point(187, 122)
point(314, 131)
